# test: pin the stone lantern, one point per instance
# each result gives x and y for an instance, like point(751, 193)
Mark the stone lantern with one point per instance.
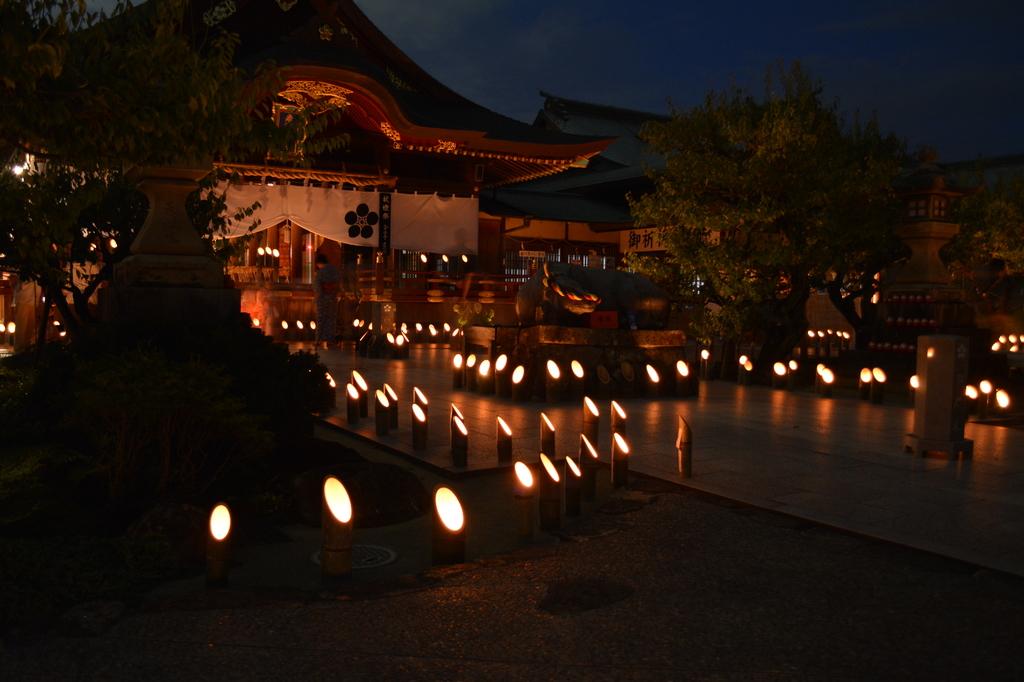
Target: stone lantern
point(171, 275)
point(927, 193)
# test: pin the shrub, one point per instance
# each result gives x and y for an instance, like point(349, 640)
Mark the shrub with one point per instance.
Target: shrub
point(161, 428)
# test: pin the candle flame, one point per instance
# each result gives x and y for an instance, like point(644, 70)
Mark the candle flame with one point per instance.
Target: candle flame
point(501, 363)
point(590, 406)
point(447, 327)
point(553, 370)
point(391, 338)
point(330, 380)
point(827, 375)
point(518, 373)
point(742, 360)
point(549, 467)
point(985, 386)
point(352, 391)
point(682, 368)
point(793, 366)
point(705, 354)
point(457, 361)
point(460, 426)
point(652, 374)
point(298, 323)
point(573, 467)
point(878, 374)
point(337, 499)
point(915, 382)
point(284, 324)
point(524, 474)
point(418, 413)
point(748, 366)
point(449, 509)
point(1002, 399)
point(392, 396)
point(485, 368)
point(865, 375)
point(779, 369)
point(971, 392)
point(382, 399)
point(471, 361)
point(577, 369)
point(418, 396)
point(618, 409)
point(220, 522)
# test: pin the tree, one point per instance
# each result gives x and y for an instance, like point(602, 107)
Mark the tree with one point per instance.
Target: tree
point(86, 98)
point(762, 202)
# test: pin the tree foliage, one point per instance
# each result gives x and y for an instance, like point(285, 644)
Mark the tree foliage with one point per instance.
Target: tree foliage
point(763, 201)
point(87, 98)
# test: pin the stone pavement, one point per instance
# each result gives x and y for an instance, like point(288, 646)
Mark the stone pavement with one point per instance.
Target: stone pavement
point(837, 462)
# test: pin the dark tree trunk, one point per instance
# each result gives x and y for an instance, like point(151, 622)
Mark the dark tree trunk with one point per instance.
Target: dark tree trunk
point(863, 324)
point(788, 325)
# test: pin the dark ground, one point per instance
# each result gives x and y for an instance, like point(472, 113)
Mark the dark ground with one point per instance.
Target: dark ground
point(686, 586)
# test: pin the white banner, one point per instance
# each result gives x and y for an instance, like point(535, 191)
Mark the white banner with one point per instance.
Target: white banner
point(419, 222)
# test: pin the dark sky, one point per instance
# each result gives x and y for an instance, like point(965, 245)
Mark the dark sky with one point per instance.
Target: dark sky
point(947, 74)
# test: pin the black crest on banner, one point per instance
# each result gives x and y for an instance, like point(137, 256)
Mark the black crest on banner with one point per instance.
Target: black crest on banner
point(385, 222)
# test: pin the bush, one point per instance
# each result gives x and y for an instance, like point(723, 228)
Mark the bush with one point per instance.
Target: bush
point(160, 428)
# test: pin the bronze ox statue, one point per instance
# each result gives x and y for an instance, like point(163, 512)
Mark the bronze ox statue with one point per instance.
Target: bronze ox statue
point(565, 294)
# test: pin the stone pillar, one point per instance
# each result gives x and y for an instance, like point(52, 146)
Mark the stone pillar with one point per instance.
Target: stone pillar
point(924, 269)
point(940, 408)
point(171, 276)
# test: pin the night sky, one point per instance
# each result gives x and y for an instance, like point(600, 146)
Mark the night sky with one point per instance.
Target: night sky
point(946, 73)
point(949, 74)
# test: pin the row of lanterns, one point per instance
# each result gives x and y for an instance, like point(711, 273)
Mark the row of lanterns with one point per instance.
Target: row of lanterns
point(1008, 343)
point(824, 341)
point(478, 374)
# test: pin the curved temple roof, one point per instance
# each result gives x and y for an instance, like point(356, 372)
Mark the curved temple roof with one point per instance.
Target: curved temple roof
point(334, 42)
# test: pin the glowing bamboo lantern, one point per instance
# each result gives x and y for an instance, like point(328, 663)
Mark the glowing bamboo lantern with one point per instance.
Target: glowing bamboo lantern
point(256, 323)
point(458, 372)
point(471, 376)
point(588, 459)
point(578, 380)
point(524, 482)
point(447, 328)
point(449, 545)
point(741, 372)
point(864, 384)
point(330, 380)
point(550, 495)
point(686, 380)
point(793, 366)
point(986, 388)
point(915, 383)
point(652, 380)
point(520, 388)
point(401, 346)
point(351, 404)
point(878, 385)
point(828, 378)
point(420, 398)
point(418, 332)
point(381, 410)
point(392, 406)
point(547, 435)
point(454, 412)
point(971, 393)
point(485, 378)
point(779, 371)
point(705, 365)
point(620, 461)
point(618, 419)
point(573, 487)
point(336, 530)
point(503, 436)
point(460, 442)
point(419, 427)
point(502, 377)
point(684, 448)
point(1002, 399)
point(364, 393)
point(591, 419)
point(553, 382)
point(218, 546)
point(432, 330)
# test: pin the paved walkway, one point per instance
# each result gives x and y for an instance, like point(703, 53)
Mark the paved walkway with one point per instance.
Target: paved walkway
point(837, 462)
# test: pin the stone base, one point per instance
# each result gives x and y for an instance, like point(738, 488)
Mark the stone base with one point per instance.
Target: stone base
point(160, 270)
point(917, 445)
point(170, 304)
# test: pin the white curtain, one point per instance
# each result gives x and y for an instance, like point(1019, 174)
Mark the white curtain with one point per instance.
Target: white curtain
point(419, 222)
